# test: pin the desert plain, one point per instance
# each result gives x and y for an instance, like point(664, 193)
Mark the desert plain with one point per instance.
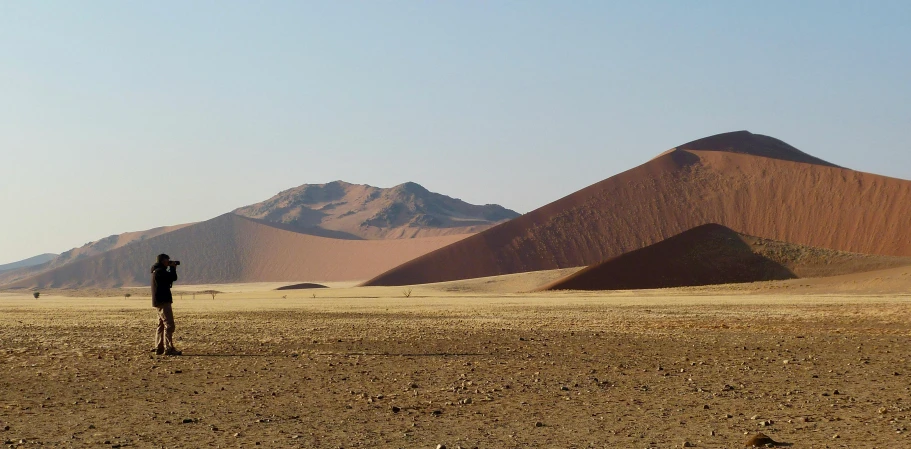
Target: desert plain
point(812, 363)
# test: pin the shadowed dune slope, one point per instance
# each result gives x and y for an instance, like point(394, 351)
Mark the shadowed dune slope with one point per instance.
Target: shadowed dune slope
point(231, 248)
point(727, 179)
point(713, 254)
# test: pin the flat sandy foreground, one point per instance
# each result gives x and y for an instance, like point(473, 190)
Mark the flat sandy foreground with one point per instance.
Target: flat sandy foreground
point(368, 367)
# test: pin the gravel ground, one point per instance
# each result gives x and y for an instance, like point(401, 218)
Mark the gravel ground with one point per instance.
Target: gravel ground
point(475, 371)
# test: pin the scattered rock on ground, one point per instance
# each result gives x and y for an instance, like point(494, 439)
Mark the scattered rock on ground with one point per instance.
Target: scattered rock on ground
point(760, 440)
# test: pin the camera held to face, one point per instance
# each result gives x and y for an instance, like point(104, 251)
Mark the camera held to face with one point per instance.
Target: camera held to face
point(174, 263)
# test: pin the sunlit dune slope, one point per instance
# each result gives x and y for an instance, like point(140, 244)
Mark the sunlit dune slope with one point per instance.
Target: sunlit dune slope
point(231, 248)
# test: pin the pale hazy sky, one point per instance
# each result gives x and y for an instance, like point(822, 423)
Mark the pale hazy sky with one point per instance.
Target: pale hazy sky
point(120, 116)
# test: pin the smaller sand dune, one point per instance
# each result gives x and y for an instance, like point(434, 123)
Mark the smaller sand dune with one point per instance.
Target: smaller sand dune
point(303, 286)
point(233, 249)
point(891, 282)
point(713, 254)
point(505, 284)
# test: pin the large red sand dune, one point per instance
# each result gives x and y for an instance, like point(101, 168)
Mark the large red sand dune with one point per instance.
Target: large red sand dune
point(753, 184)
point(713, 254)
point(231, 248)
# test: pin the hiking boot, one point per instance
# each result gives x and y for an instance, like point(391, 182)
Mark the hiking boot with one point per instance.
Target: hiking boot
point(173, 351)
point(159, 351)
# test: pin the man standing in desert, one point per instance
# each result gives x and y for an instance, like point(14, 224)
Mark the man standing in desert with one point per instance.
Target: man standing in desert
point(164, 273)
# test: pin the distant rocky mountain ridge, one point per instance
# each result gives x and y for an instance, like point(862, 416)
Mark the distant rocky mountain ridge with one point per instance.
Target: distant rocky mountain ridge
point(356, 211)
point(89, 249)
point(30, 262)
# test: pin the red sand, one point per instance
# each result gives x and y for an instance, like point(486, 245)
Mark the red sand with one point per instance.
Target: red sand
point(713, 254)
point(727, 179)
point(231, 248)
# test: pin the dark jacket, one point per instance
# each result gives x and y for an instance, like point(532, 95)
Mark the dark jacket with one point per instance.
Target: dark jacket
point(162, 279)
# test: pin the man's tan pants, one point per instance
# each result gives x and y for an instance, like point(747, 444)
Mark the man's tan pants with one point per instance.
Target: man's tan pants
point(164, 337)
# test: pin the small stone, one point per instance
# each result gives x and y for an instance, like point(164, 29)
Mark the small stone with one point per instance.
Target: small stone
point(441, 446)
point(539, 424)
point(760, 440)
point(687, 444)
point(705, 407)
point(436, 412)
point(564, 388)
point(729, 416)
point(395, 409)
point(236, 435)
point(836, 436)
point(187, 420)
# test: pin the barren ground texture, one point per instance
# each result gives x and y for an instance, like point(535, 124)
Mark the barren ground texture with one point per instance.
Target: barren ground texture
point(459, 365)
